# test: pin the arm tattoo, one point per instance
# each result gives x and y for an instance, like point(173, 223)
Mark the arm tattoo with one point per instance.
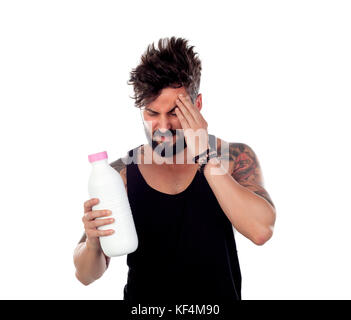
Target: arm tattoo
point(247, 170)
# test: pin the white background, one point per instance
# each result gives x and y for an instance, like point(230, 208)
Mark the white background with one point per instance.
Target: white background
point(276, 76)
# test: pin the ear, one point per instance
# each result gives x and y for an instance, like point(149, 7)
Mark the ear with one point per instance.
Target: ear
point(198, 101)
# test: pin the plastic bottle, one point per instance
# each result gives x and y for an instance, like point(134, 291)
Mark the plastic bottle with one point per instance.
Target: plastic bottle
point(106, 184)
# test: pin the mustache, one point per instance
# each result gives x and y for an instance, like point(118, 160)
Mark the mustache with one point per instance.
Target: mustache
point(166, 133)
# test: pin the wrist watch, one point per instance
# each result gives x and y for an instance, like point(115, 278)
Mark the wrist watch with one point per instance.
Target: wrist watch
point(204, 157)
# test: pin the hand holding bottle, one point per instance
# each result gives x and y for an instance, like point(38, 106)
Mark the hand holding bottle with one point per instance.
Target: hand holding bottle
point(107, 185)
point(91, 223)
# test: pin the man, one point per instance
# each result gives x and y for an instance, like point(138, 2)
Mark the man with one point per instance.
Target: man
point(184, 211)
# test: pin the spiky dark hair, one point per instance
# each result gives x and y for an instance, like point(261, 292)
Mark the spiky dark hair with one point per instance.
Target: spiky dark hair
point(173, 64)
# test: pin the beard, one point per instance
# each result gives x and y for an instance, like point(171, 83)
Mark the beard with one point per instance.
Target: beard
point(167, 149)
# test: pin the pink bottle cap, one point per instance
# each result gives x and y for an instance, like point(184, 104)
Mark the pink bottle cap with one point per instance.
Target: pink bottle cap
point(97, 156)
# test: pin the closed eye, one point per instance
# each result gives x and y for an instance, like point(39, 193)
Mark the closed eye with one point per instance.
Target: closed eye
point(153, 113)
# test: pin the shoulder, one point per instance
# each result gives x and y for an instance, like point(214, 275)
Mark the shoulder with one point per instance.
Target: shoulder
point(233, 153)
point(244, 167)
point(120, 165)
point(244, 158)
point(240, 160)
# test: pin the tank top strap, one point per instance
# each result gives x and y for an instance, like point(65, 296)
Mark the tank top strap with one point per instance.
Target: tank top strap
point(132, 170)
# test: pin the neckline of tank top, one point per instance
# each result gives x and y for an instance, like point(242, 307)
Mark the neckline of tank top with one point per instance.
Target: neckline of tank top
point(169, 195)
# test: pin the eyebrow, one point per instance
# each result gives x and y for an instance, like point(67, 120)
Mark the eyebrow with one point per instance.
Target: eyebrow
point(158, 112)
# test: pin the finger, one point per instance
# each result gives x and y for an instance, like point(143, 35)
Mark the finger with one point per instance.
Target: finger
point(195, 113)
point(89, 204)
point(183, 121)
point(187, 115)
point(96, 214)
point(95, 233)
point(100, 222)
point(102, 233)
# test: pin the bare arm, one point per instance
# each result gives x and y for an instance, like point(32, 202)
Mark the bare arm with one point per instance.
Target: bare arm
point(89, 259)
point(240, 193)
point(247, 170)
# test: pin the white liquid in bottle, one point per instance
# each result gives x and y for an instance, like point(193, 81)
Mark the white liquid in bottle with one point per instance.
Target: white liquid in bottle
point(106, 184)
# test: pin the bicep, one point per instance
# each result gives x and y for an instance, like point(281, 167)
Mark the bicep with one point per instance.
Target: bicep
point(247, 170)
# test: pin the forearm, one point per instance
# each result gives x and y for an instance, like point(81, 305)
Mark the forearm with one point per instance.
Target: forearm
point(250, 214)
point(90, 263)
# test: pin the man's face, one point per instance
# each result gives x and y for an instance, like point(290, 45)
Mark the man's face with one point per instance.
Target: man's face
point(161, 124)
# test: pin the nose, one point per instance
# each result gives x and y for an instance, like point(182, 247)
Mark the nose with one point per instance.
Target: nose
point(164, 124)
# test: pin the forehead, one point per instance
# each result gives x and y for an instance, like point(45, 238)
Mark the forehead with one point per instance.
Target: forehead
point(167, 98)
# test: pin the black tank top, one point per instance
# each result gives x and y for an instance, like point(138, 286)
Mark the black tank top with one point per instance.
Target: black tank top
point(186, 250)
